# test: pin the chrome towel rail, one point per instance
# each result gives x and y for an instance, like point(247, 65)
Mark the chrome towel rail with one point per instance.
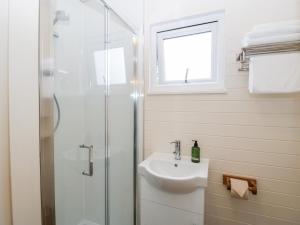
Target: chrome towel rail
point(253, 50)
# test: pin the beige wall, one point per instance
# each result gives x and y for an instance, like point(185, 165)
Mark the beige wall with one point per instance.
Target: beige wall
point(130, 10)
point(5, 215)
point(24, 111)
point(242, 134)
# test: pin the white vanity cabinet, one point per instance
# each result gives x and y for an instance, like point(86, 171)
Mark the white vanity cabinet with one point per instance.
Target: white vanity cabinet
point(172, 192)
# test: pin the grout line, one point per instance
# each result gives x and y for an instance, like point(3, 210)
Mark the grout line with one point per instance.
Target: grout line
point(219, 111)
point(252, 150)
point(283, 114)
point(230, 124)
point(225, 112)
point(234, 149)
point(248, 138)
point(227, 219)
point(226, 124)
point(263, 178)
point(292, 99)
point(154, 103)
point(256, 164)
point(237, 137)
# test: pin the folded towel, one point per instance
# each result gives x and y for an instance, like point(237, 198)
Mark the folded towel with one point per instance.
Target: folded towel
point(270, 40)
point(277, 25)
point(283, 31)
point(275, 73)
point(273, 32)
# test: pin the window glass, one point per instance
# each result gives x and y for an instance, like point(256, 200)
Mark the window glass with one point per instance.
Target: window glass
point(187, 58)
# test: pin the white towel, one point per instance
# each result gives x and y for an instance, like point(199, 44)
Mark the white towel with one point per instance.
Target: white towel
point(270, 40)
point(283, 31)
point(277, 25)
point(273, 32)
point(275, 73)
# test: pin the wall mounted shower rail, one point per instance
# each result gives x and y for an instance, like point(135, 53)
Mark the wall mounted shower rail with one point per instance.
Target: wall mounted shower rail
point(247, 52)
point(91, 165)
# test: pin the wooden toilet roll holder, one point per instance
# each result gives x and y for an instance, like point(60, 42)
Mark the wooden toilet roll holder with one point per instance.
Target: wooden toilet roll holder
point(252, 183)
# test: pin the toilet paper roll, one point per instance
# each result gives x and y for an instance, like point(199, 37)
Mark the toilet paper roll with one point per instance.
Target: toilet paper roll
point(239, 188)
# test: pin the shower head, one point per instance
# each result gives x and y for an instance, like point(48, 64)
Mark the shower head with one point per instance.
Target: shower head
point(60, 15)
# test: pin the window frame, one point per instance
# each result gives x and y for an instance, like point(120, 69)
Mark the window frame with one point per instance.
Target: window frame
point(212, 22)
point(181, 32)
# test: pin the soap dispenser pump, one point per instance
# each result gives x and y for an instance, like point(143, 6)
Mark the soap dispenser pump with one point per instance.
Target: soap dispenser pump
point(195, 152)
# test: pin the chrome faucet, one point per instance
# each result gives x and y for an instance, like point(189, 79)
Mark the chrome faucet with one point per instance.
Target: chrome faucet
point(177, 152)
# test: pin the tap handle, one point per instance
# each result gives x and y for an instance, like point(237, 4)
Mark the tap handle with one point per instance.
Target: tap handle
point(177, 146)
point(177, 152)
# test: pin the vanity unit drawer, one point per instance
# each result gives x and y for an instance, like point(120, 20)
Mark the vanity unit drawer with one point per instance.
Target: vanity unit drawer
point(192, 202)
point(156, 214)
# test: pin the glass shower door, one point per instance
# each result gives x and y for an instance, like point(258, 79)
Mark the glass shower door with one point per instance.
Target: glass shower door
point(87, 114)
point(73, 104)
point(121, 122)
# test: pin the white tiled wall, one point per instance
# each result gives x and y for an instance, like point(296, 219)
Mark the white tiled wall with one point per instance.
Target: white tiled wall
point(243, 134)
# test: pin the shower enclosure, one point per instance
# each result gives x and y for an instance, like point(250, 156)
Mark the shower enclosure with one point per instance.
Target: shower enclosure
point(87, 114)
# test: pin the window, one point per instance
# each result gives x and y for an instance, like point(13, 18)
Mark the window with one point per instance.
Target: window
point(186, 56)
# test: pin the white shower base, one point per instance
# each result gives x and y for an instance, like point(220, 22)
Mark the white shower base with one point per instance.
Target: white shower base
point(87, 222)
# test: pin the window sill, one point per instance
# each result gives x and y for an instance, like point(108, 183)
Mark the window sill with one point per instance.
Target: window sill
point(186, 89)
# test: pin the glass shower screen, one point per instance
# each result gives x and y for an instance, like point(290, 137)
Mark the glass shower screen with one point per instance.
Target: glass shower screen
point(87, 114)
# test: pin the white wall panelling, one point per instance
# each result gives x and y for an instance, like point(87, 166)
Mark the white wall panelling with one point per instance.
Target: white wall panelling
point(255, 135)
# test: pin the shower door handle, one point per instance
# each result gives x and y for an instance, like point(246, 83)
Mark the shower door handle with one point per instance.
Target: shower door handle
point(91, 165)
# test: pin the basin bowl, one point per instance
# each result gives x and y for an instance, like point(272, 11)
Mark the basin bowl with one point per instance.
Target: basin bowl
point(180, 176)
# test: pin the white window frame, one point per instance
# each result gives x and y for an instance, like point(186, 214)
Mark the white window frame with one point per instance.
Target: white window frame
point(212, 22)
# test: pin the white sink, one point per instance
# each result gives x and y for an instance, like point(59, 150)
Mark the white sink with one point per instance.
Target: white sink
point(166, 173)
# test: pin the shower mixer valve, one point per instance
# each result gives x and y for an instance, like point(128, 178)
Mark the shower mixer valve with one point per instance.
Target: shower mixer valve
point(91, 165)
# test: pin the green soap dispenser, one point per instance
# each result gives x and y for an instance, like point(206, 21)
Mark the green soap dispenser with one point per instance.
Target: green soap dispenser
point(195, 152)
